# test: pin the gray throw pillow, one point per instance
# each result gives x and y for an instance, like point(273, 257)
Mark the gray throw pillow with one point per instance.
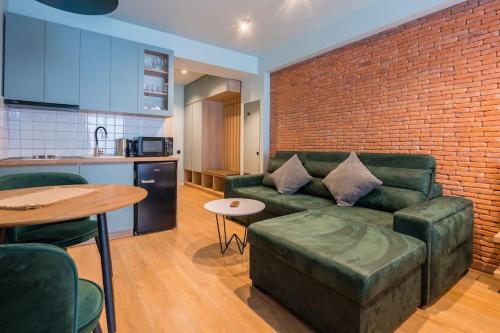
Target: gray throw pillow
point(350, 181)
point(290, 176)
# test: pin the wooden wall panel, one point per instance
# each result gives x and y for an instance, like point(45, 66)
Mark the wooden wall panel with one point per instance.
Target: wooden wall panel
point(231, 134)
point(212, 139)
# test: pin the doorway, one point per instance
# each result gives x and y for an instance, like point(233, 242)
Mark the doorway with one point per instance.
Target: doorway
point(251, 140)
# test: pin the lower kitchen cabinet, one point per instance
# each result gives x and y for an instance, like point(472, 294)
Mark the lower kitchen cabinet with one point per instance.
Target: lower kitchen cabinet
point(120, 221)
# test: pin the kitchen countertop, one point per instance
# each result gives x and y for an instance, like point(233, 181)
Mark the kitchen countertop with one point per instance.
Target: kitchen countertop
point(84, 160)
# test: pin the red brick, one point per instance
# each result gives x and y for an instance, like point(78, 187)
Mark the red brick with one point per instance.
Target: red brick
point(429, 86)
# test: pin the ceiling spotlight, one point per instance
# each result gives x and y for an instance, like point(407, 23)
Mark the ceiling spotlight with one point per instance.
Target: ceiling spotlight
point(244, 26)
point(184, 71)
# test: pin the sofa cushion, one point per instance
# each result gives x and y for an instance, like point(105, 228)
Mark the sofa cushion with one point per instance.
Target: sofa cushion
point(355, 259)
point(391, 199)
point(290, 176)
point(409, 171)
point(267, 180)
point(317, 188)
point(256, 192)
point(350, 181)
point(369, 216)
point(281, 204)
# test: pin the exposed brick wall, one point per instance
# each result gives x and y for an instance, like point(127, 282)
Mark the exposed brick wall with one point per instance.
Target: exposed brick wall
point(430, 86)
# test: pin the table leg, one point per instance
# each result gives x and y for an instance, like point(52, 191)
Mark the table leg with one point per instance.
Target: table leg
point(223, 248)
point(224, 245)
point(244, 241)
point(102, 228)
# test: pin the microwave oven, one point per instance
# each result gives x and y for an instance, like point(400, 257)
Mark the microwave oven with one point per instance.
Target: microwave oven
point(153, 146)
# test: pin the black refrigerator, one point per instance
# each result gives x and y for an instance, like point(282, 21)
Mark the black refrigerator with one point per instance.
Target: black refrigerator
point(158, 211)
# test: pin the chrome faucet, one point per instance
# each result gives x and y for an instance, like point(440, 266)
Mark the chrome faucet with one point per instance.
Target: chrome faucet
point(99, 151)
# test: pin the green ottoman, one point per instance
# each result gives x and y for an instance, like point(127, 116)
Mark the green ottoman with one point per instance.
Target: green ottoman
point(336, 274)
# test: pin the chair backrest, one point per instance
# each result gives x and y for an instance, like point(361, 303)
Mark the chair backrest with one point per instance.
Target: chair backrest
point(36, 179)
point(407, 175)
point(38, 288)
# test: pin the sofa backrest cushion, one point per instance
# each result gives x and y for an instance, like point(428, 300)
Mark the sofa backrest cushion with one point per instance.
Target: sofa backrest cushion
point(390, 199)
point(414, 172)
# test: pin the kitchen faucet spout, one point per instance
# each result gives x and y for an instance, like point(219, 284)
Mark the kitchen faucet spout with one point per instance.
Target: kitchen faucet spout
point(99, 151)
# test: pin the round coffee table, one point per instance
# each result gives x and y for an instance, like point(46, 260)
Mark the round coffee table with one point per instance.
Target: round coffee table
point(222, 207)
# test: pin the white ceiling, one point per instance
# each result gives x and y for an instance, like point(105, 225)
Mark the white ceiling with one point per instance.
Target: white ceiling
point(188, 77)
point(215, 22)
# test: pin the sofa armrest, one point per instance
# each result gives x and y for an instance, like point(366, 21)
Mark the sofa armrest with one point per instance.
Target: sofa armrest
point(233, 182)
point(425, 214)
point(445, 225)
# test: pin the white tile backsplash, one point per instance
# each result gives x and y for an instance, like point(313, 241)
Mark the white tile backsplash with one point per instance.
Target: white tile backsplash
point(28, 132)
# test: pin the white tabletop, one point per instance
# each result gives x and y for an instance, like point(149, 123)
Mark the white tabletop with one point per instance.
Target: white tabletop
point(246, 207)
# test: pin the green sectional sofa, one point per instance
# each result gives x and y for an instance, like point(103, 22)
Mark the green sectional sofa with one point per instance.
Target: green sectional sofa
point(362, 268)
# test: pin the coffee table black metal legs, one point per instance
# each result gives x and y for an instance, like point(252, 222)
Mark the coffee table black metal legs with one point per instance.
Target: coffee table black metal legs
point(102, 228)
point(225, 245)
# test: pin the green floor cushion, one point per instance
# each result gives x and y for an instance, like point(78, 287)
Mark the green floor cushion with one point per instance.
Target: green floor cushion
point(90, 300)
point(280, 204)
point(62, 234)
point(356, 260)
point(360, 214)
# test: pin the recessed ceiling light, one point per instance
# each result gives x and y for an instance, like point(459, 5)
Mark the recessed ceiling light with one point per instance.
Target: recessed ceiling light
point(244, 25)
point(184, 71)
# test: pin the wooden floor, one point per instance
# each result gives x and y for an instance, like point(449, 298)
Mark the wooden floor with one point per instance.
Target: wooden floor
point(177, 281)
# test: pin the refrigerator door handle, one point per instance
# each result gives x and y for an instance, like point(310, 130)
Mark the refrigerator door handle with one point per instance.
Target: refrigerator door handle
point(149, 181)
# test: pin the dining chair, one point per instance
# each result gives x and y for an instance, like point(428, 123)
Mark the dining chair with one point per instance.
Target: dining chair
point(61, 234)
point(41, 292)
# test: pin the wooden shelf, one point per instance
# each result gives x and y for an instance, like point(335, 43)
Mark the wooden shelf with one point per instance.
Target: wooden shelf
point(155, 93)
point(211, 181)
point(155, 72)
point(220, 172)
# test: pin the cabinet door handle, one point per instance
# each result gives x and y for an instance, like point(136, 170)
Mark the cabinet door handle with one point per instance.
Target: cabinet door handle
point(150, 181)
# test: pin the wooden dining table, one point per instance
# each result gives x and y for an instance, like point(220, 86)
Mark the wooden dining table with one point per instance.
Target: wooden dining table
point(105, 198)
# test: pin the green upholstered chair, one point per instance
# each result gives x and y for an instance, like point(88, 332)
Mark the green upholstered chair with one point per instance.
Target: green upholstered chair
point(40, 292)
point(61, 234)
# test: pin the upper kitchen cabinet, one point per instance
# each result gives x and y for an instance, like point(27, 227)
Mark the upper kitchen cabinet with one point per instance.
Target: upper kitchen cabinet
point(95, 66)
point(124, 75)
point(155, 81)
point(24, 58)
point(62, 64)
point(51, 63)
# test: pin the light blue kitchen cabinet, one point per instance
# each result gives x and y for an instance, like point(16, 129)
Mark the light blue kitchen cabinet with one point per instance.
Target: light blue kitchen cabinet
point(62, 64)
point(24, 58)
point(124, 74)
point(95, 67)
point(156, 81)
point(120, 221)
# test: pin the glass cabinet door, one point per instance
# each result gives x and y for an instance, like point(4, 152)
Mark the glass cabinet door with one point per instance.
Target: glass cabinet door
point(155, 81)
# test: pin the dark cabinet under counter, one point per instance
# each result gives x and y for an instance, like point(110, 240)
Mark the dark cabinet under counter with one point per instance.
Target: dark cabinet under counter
point(158, 211)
